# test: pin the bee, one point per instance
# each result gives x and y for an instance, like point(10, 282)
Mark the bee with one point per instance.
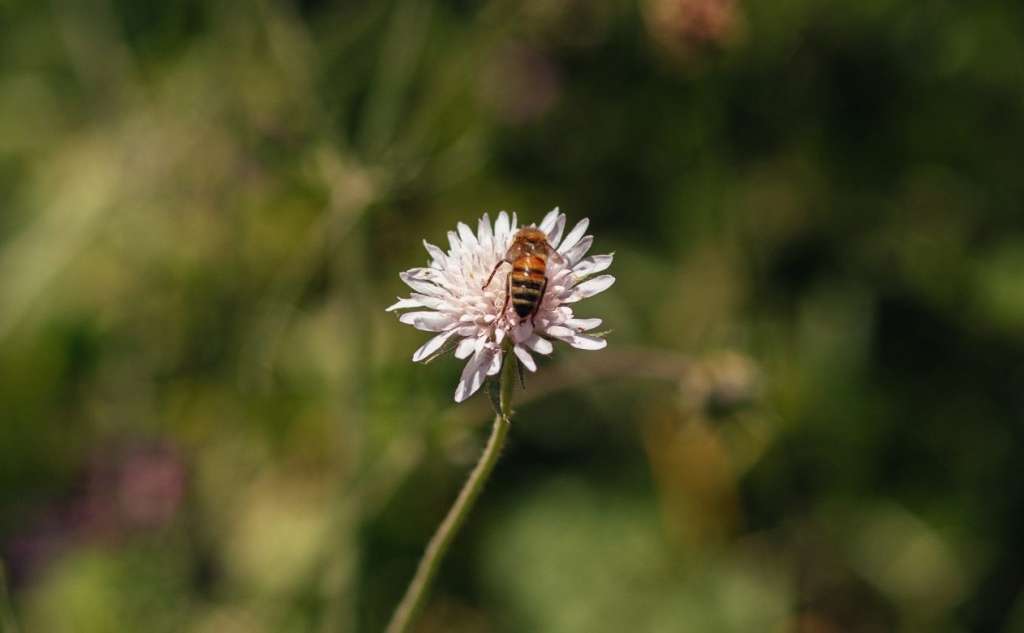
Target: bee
point(526, 283)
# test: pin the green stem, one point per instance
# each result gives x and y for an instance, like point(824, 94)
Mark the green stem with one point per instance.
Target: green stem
point(416, 594)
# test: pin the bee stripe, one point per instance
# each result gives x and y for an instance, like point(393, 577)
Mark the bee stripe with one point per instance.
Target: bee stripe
point(526, 295)
point(530, 274)
point(529, 284)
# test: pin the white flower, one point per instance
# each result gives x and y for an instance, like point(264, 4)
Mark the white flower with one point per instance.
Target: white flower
point(447, 298)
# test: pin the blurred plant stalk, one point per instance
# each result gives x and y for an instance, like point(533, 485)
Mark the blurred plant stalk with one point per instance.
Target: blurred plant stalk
point(7, 622)
point(416, 594)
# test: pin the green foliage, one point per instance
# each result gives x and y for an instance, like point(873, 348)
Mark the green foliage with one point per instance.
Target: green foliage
point(808, 415)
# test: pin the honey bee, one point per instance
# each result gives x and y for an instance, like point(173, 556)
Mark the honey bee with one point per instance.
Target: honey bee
point(526, 283)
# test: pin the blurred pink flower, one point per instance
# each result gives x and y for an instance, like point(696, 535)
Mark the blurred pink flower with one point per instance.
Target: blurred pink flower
point(151, 487)
point(686, 27)
point(134, 486)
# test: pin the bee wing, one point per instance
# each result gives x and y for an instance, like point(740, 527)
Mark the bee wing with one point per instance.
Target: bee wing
point(554, 254)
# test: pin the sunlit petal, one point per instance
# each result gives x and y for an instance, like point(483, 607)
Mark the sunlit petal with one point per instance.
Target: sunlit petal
point(404, 304)
point(525, 358)
point(574, 235)
point(593, 264)
point(582, 325)
point(548, 222)
point(428, 321)
point(574, 254)
point(437, 255)
point(590, 287)
point(465, 347)
point(431, 346)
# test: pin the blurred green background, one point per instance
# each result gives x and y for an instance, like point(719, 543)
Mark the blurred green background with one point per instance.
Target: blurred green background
point(809, 416)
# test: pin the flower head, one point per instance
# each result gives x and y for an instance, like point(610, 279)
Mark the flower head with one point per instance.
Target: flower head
point(449, 297)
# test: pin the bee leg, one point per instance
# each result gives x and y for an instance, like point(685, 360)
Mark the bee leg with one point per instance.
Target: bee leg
point(540, 300)
point(508, 292)
point(496, 267)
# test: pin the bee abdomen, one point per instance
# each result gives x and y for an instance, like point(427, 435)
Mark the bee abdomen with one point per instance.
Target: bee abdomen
point(523, 307)
point(527, 288)
point(531, 283)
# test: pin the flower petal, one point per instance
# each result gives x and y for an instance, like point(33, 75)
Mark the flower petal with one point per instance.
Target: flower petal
point(582, 325)
point(404, 304)
point(584, 341)
point(495, 363)
point(431, 346)
point(539, 345)
point(574, 235)
point(423, 274)
point(525, 358)
point(428, 321)
point(574, 254)
point(501, 230)
point(554, 295)
point(549, 220)
point(484, 234)
point(434, 303)
point(466, 347)
point(561, 278)
point(425, 287)
point(467, 236)
point(555, 234)
point(436, 254)
point(560, 331)
point(454, 243)
point(580, 341)
point(593, 264)
point(589, 288)
point(522, 331)
point(473, 374)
